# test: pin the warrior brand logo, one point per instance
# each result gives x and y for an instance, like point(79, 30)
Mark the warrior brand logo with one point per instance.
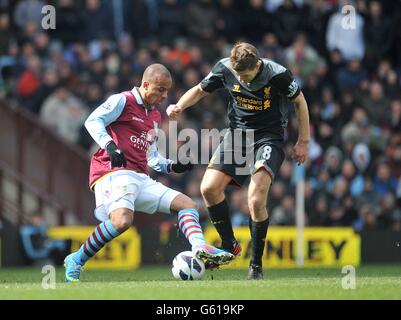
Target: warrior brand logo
point(236, 88)
point(138, 119)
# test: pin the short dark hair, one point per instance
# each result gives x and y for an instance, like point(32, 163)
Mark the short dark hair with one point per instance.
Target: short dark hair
point(155, 70)
point(244, 56)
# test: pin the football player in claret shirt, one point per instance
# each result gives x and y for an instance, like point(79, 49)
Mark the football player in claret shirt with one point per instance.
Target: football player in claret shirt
point(260, 91)
point(124, 127)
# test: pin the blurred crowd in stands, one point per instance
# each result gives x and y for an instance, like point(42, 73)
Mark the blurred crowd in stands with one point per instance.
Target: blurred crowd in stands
point(350, 77)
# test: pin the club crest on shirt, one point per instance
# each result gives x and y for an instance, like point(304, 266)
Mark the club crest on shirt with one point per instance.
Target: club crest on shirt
point(266, 92)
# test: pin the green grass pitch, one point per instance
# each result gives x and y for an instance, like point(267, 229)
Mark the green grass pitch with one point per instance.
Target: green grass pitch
point(372, 282)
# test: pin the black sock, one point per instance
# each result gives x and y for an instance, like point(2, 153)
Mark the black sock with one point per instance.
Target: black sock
point(220, 216)
point(258, 239)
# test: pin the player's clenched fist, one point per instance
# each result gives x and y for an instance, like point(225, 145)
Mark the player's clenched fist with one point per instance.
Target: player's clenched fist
point(180, 167)
point(300, 151)
point(173, 111)
point(117, 158)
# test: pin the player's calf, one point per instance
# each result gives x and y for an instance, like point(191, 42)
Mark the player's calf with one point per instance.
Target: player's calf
point(103, 233)
point(188, 222)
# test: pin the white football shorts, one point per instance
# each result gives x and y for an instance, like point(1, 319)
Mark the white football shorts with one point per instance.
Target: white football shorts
point(132, 190)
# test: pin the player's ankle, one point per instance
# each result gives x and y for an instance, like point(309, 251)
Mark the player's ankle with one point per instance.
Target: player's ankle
point(256, 263)
point(228, 244)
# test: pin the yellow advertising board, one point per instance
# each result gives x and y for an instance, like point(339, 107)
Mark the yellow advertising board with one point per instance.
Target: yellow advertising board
point(124, 252)
point(323, 247)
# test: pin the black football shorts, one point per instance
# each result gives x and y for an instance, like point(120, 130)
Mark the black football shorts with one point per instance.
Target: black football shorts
point(239, 154)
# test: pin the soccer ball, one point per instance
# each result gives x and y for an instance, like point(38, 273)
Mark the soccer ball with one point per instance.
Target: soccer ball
point(187, 267)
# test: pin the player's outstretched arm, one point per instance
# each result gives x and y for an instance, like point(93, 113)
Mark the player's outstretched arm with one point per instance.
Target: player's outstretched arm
point(300, 151)
point(156, 161)
point(189, 98)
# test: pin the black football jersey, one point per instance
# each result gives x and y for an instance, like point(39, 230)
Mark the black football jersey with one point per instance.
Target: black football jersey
point(263, 103)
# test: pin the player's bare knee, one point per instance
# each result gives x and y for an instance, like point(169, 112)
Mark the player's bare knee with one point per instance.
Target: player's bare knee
point(122, 220)
point(183, 202)
point(193, 205)
point(188, 203)
point(210, 192)
point(259, 217)
point(124, 223)
point(256, 205)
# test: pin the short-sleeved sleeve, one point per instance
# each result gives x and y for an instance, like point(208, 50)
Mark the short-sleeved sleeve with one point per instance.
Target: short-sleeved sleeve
point(214, 80)
point(286, 84)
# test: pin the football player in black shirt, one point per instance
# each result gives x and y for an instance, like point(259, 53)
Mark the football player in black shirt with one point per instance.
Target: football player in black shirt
point(260, 92)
